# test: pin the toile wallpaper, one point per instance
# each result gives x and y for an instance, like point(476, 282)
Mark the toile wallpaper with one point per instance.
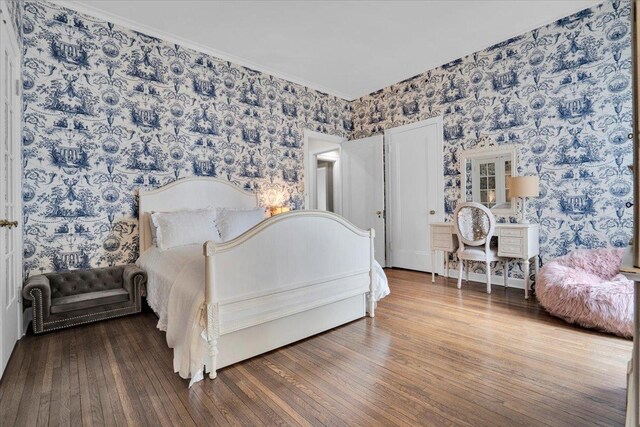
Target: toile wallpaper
point(562, 95)
point(108, 111)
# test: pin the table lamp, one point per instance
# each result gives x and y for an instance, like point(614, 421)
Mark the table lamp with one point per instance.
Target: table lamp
point(524, 187)
point(275, 210)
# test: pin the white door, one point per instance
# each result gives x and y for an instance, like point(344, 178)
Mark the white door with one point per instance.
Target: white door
point(10, 201)
point(363, 188)
point(415, 192)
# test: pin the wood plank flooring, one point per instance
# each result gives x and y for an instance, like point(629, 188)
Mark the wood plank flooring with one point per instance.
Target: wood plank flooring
point(433, 355)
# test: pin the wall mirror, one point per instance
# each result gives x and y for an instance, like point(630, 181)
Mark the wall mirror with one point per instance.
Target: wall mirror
point(485, 174)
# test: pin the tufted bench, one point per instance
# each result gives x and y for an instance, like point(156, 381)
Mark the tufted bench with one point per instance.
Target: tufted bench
point(69, 298)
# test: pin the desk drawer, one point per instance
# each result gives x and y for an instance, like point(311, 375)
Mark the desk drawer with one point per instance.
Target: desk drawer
point(511, 241)
point(510, 250)
point(511, 232)
point(440, 235)
point(442, 243)
point(441, 229)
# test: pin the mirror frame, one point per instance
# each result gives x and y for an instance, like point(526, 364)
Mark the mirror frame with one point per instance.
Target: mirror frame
point(481, 152)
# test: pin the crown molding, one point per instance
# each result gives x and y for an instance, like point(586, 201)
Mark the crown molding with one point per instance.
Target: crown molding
point(172, 38)
point(225, 56)
point(485, 46)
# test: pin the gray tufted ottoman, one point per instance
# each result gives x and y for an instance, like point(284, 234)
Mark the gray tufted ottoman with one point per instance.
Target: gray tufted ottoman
point(69, 298)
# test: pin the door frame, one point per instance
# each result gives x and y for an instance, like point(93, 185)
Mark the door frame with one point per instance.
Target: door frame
point(439, 216)
point(309, 162)
point(5, 26)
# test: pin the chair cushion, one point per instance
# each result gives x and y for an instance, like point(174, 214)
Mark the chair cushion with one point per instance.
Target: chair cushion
point(477, 253)
point(88, 300)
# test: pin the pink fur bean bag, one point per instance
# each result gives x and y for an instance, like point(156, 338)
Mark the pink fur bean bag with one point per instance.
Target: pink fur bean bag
point(586, 287)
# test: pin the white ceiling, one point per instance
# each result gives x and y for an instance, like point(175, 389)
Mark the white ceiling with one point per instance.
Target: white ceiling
point(346, 48)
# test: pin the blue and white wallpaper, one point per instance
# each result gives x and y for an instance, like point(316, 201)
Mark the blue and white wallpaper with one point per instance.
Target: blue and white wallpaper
point(563, 95)
point(108, 111)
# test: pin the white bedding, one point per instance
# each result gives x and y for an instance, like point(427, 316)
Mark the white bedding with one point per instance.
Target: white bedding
point(175, 291)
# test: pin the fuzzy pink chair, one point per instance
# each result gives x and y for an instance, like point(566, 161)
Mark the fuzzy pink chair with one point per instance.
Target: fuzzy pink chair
point(586, 287)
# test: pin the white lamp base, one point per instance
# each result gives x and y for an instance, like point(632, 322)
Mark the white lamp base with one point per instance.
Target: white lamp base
point(523, 212)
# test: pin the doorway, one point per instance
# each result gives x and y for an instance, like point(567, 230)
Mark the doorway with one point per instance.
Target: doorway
point(327, 179)
point(322, 172)
point(414, 193)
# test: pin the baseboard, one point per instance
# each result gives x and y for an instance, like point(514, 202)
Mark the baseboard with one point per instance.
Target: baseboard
point(495, 279)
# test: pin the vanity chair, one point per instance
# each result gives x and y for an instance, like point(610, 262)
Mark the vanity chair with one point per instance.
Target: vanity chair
point(475, 225)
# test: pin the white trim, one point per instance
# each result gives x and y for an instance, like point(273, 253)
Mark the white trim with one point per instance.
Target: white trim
point(482, 279)
point(485, 46)
point(439, 216)
point(228, 245)
point(308, 169)
point(196, 178)
point(173, 38)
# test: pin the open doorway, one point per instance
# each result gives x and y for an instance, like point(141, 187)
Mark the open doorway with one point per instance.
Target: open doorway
point(326, 181)
point(322, 175)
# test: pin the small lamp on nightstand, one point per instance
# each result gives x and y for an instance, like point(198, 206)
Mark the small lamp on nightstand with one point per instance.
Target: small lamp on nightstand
point(275, 210)
point(524, 187)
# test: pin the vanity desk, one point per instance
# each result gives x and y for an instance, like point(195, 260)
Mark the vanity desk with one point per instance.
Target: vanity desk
point(515, 241)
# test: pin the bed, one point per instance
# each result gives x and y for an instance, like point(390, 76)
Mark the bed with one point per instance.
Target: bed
point(291, 276)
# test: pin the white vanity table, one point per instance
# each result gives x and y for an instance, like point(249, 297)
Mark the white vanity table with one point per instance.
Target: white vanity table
point(516, 241)
point(485, 173)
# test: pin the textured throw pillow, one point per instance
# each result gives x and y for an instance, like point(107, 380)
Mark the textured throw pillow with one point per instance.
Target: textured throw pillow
point(181, 228)
point(233, 222)
point(154, 230)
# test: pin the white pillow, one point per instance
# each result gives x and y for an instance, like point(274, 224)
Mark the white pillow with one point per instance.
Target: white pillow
point(233, 222)
point(154, 230)
point(181, 228)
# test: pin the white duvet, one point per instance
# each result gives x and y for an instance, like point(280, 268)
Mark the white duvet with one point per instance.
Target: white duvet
point(175, 291)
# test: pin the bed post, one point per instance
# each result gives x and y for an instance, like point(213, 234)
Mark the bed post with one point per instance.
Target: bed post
point(211, 302)
point(372, 273)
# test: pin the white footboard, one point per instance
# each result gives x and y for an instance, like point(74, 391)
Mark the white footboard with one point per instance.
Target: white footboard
point(292, 276)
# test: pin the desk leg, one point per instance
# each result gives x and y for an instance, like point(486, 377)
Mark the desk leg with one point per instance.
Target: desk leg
point(446, 265)
point(433, 266)
point(505, 273)
point(526, 278)
point(536, 259)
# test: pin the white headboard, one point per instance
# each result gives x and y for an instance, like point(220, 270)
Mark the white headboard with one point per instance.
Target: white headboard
point(189, 193)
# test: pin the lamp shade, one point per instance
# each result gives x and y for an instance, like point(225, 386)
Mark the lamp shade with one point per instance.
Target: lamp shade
point(524, 186)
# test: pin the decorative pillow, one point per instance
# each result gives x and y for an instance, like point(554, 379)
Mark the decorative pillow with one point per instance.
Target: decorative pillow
point(181, 228)
point(233, 222)
point(154, 230)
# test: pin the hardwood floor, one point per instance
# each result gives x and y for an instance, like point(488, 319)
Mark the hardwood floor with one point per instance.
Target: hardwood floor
point(433, 355)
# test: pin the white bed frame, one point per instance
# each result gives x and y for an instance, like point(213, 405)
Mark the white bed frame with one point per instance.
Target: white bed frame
point(290, 277)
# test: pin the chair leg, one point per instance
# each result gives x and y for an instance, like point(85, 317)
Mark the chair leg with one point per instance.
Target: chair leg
point(488, 269)
point(460, 262)
point(466, 268)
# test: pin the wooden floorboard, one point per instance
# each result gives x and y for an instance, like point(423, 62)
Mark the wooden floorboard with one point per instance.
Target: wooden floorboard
point(433, 355)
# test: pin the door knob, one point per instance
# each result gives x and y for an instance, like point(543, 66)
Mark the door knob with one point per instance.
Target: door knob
point(8, 224)
point(432, 212)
